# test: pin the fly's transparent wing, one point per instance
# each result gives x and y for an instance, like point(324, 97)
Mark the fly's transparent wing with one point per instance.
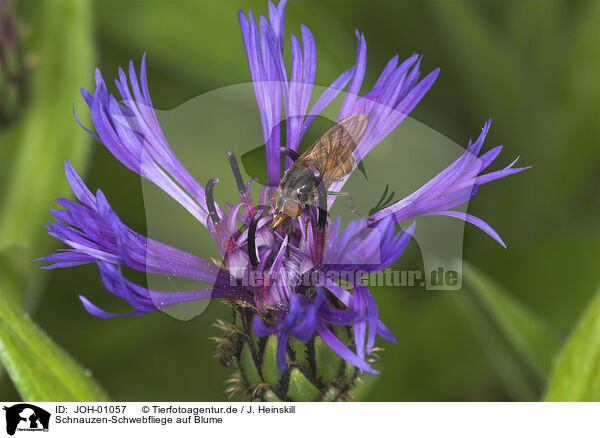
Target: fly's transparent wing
point(331, 154)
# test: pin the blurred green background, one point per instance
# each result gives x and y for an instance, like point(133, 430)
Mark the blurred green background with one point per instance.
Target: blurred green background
point(531, 65)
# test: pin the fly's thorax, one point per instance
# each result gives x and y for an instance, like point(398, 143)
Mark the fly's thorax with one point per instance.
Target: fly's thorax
point(292, 195)
point(297, 185)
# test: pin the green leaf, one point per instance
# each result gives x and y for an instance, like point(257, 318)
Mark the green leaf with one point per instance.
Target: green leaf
point(331, 395)
point(300, 388)
point(34, 150)
point(300, 352)
point(248, 367)
point(270, 396)
point(576, 375)
point(531, 337)
point(270, 369)
point(61, 41)
point(516, 381)
point(327, 361)
point(40, 370)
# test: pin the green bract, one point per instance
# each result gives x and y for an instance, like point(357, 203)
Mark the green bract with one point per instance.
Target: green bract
point(314, 373)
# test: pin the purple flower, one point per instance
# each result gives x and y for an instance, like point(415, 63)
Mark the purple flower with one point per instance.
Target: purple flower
point(454, 186)
point(289, 278)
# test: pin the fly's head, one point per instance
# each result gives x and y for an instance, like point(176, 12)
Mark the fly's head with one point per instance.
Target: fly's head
point(285, 208)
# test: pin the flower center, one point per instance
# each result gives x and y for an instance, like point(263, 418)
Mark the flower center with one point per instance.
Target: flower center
point(229, 245)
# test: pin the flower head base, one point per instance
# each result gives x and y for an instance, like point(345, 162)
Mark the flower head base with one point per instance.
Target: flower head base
point(299, 282)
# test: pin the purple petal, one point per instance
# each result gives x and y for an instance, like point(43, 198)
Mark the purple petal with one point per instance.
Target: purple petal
point(96, 311)
point(479, 223)
point(131, 132)
point(282, 338)
point(357, 78)
point(452, 187)
point(341, 350)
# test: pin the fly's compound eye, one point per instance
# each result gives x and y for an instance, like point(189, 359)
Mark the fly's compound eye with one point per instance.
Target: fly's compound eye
point(292, 209)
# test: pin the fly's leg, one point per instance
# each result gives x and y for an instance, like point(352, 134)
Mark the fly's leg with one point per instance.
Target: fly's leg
point(306, 225)
point(288, 231)
point(351, 202)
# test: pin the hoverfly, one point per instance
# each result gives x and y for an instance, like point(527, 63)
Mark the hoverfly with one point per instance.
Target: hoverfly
point(331, 156)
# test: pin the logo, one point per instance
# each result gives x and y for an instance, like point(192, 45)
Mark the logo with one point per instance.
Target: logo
point(26, 417)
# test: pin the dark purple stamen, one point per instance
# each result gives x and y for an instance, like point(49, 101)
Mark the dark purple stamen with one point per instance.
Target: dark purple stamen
point(290, 153)
point(210, 201)
point(252, 239)
point(322, 199)
point(235, 167)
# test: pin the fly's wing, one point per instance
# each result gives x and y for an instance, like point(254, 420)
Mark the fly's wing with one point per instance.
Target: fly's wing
point(332, 153)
